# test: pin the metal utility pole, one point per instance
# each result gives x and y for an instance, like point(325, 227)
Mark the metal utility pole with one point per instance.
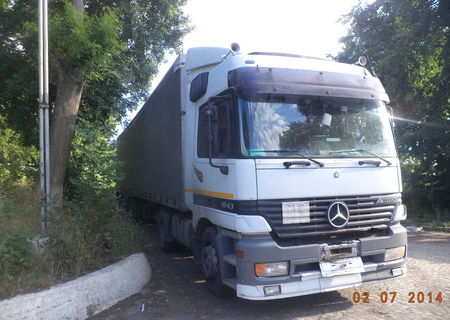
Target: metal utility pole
point(44, 141)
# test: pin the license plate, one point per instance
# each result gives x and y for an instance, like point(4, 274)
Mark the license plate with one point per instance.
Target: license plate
point(341, 266)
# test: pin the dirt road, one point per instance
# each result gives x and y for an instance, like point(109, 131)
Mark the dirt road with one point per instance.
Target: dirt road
point(177, 291)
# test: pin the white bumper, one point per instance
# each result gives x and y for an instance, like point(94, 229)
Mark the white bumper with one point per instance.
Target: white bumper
point(308, 284)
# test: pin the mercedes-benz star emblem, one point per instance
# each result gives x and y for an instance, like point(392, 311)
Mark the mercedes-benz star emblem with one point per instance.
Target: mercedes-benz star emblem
point(338, 214)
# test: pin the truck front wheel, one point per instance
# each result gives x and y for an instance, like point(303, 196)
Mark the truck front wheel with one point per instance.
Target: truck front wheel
point(210, 263)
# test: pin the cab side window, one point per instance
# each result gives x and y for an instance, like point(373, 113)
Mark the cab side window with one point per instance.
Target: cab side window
point(220, 127)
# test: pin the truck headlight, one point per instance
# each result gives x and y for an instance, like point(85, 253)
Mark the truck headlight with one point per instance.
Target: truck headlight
point(400, 213)
point(272, 269)
point(394, 253)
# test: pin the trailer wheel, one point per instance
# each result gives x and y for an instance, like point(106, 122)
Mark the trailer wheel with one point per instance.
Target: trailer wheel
point(166, 242)
point(211, 265)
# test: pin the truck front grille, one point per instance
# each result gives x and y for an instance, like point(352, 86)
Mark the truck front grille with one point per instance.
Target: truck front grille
point(366, 213)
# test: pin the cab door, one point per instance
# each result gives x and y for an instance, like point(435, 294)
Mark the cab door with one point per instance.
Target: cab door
point(214, 187)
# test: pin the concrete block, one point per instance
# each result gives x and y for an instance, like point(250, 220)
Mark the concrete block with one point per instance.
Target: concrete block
point(84, 296)
point(38, 245)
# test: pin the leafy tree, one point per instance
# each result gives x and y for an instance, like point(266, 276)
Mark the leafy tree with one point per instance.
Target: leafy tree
point(17, 161)
point(103, 55)
point(93, 165)
point(19, 69)
point(408, 44)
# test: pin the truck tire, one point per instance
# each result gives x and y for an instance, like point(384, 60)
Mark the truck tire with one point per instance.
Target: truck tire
point(166, 242)
point(210, 263)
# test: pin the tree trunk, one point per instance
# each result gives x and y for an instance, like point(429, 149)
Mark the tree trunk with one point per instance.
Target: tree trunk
point(67, 103)
point(79, 5)
point(69, 88)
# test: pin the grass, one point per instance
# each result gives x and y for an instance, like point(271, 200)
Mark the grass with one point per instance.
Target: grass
point(19, 207)
point(85, 236)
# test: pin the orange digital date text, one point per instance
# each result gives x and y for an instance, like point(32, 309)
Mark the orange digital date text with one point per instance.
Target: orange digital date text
point(391, 296)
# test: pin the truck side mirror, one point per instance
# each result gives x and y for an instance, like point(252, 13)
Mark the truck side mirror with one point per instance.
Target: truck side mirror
point(213, 116)
point(390, 111)
point(391, 116)
point(391, 120)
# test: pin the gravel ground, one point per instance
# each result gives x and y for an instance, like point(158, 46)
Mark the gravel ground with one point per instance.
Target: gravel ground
point(177, 291)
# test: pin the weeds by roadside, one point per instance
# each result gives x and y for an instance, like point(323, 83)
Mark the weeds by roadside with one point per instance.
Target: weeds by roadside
point(87, 233)
point(83, 237)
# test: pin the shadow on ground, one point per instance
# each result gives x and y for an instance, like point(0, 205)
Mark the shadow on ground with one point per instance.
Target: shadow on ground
point(178, 291)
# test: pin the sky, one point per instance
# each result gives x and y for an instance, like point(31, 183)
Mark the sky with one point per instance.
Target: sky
point(306, 27)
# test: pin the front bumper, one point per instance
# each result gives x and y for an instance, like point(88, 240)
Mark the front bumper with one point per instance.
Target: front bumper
point(305, 276)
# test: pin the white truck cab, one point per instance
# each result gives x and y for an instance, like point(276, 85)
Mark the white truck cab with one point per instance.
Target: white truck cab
point(279, 171)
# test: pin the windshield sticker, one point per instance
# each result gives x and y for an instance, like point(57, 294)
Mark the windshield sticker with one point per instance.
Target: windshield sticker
point(295, 212)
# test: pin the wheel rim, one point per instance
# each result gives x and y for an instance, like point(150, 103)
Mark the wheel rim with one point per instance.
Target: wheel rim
point(209, 261)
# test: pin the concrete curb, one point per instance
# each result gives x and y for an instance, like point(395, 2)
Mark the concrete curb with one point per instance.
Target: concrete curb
point(82, 297)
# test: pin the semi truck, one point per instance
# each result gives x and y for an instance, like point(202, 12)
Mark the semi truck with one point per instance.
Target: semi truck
point(279, 171)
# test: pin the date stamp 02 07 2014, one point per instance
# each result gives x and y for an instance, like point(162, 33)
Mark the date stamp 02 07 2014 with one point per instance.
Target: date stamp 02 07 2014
point(391, 296)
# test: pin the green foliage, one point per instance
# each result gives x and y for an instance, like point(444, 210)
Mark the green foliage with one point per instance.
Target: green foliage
point(93, 163)
point(120, 44)
point(85, 41)
point(18, 222)
point(14, 252)
point(91, 229)
point(17, 162)
point(409, 46)
point(19, 69)
point(88, 233)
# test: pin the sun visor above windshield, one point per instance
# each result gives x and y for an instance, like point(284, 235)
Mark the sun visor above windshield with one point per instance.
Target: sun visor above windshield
point(204, 56)
point(253, 80)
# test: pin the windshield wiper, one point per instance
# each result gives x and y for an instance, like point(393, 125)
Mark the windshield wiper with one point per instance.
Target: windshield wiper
point(293, 151)
point(365, 151)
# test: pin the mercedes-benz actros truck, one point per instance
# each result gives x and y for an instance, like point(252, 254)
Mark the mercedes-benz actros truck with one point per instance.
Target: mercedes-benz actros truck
point(279, 171)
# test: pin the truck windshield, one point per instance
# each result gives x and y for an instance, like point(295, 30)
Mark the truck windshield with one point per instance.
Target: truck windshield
point(271, 126)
